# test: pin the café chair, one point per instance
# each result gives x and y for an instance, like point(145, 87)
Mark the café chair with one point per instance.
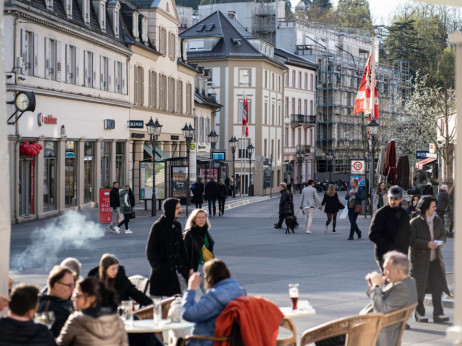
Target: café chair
point(400, 316)
point(235, 339)
point(361, 330)
point(140, 282)
point(148, 311)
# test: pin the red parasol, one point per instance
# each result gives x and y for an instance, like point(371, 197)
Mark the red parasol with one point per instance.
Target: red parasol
point(389, 167)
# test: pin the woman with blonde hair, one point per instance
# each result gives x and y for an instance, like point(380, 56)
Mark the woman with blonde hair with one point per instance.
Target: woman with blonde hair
point(196, 237)
point(332, 203)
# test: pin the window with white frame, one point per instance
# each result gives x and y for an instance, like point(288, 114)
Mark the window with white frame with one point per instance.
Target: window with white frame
point(306, 81)
point(244, 77)
point(139, 86)
point(305, 107)
point(102, 16)
point(311, 108)
point(201, 130)
point(104, 73)
point(171, 94)
point(299, 80)
point(293, 79)
point(89, 65)
point(71, 64)
point(29, 50)
point(68, 9)
point(241, 111)
point(153, 89)
point(49, 4)
point(179, 97)
point(287, 107)
point(266, 114)
point(286, 136)
point(52, 59)
point(311, 82)
point(118, 77)
point(86, 11)
point(189, 99)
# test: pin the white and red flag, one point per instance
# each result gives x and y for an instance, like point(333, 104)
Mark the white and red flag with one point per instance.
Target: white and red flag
point(363, 102)
point(245, 117)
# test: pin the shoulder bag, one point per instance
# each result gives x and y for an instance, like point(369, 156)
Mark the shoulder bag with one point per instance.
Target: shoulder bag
point(206, 254)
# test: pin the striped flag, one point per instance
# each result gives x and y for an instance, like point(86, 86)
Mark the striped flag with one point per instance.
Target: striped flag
point(245, 117)
point(363, 98)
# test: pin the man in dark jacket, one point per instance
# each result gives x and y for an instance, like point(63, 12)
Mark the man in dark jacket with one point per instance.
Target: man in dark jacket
point(114, 204)
point(442, 201)
point(286, 207)
point(390, 228)
point(355, 196)
point(211, 193)
point(198, 192)
point(60, 287)
point(19, 328)
point(166, 252)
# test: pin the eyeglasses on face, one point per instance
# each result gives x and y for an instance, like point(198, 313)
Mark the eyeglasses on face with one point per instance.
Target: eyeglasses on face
point(72, 285)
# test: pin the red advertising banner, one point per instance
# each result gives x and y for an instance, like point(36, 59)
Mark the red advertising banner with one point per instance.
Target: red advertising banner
point(32, 186)
point(105, 212)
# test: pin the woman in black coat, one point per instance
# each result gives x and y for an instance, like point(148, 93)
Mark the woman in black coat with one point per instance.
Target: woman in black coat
point(113, 274)
point(166, 253)
point(197, 235)
point(331, 201)
point(427, 264)
point(198, 193)
point(222, 194)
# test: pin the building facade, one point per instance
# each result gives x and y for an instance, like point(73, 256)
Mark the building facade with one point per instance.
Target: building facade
point(71, 56)
point(243, 67)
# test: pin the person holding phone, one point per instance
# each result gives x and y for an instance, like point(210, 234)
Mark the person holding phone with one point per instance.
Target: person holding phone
point(427, 265)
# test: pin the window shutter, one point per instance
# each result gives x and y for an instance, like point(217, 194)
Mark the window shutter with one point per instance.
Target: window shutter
point(150, 90)
point(24, 45)
point(93, 66)
point(136, 88)
point(109, 75)
point(86, 80)
point(77, 66)
point(142, 85)
point(116, 77)
point(36, 55)
point(68, 62)
point(47, 58)
point(124, 78)
point(101, 70)
point(58, 61)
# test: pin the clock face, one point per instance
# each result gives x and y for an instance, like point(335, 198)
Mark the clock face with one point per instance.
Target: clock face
point(22, 101)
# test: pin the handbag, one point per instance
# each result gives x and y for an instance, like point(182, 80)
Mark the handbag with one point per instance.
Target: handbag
point(132, 215)
point(126, 209)
point(358, 208)
point(351, 203)
point(207, 255)
point(340, 205)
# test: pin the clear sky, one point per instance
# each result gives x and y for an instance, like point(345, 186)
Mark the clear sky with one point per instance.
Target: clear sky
point(381, 10)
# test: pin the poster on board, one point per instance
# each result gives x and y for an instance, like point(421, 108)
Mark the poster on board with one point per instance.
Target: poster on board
point(146, 175)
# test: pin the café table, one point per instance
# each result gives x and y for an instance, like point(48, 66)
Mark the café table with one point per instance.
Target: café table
point(148, 326)
point(289, 313)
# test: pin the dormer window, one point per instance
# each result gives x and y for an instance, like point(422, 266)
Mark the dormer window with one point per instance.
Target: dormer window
point(144, 30)
point(85, 10)
point(237, 41)
point(100, 9)
point(135, 31)
point(113, 8)
point(49, 4)
point(68, 9)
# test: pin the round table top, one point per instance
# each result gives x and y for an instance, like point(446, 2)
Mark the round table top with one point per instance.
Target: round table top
point(289, 313)
point(148, 326)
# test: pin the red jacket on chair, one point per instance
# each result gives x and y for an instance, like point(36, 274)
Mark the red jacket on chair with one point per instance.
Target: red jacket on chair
point(258, 320)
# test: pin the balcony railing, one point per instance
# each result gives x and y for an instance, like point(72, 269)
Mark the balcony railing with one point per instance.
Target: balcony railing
point(303, 119)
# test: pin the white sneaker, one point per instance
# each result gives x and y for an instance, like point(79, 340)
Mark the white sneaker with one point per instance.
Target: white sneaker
point(127, 231)
point(325, 229)
point(116, 229)
point(308, 232)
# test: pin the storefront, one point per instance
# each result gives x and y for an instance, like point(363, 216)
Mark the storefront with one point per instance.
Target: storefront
point(62, 153)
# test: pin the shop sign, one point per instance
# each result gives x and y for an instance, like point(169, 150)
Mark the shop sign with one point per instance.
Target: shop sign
point(109, 124)
point(421, 154)
point(105, 212)
point(218, 155)
point(137, 135)
point(136, 124)
point(49, 119)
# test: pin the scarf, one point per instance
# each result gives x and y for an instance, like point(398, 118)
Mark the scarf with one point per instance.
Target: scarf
point(432, 235)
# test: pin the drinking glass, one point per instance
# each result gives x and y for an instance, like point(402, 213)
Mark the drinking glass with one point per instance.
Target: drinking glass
point(157, 310)
point(293, 294)
point(125, 310)
point(45, 317)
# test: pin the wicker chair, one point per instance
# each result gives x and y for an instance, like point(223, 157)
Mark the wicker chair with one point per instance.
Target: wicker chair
point(140, 282)
point(285, 323)
point(399, 316)
point(148, 312)
point(361, 330)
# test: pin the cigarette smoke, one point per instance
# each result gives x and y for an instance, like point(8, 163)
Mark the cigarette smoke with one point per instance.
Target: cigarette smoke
point(69, 231)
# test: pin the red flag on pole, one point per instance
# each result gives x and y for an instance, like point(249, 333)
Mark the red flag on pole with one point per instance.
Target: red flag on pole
point(245, 117)
point(363, 98)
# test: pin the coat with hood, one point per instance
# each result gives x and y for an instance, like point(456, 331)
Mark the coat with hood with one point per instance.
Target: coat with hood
point(125, 289)
point(198, 192)
point(286, 204)
point(194, 239)
point(166, 253)
point(124, 202)
point(419, 253)
point(442, 199)
point(204, 313)
point(93, 327)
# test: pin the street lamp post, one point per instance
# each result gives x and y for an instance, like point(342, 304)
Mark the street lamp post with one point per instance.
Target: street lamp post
point(188, 133)
point(250, 149)
point(330, 158)
point(373, 130)
point(233, 144)
point(300, 155)
point(213, 139)
point(154, 129)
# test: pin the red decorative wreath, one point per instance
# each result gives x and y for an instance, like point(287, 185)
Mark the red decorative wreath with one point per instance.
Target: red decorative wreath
point(30, 149)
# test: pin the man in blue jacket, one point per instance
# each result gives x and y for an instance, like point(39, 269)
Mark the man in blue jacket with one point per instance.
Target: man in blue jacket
point(354, 196)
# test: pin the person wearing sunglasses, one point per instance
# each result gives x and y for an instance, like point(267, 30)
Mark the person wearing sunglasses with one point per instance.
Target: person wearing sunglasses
point(60, 287)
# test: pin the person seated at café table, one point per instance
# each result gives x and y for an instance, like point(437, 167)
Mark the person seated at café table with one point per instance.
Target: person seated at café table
point(95, 321)
point(110, 272)
point(18, 328)
point(220, 287)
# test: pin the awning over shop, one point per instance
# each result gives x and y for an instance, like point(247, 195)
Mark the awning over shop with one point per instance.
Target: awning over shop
point(160, 155)
point(420, 164)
